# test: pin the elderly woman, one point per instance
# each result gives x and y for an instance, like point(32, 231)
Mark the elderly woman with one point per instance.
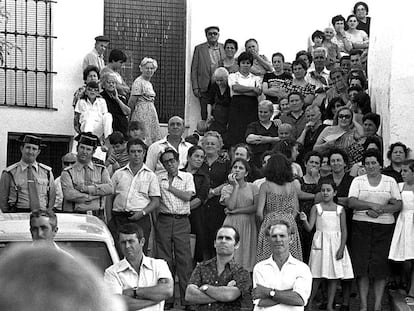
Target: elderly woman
point(261, 64)
point(219, 104)
point(116, 103)
point(260, 135)
point(91, 73)
point(229, 61)
point(142, 100)
point(217, 169)
point(299, 84)
point(341, 38)
point(312, 130)
point(245, 88)
point(361, 12)
point(358, 38)
point(374, 198)
point(397, 154)
point(341, 135)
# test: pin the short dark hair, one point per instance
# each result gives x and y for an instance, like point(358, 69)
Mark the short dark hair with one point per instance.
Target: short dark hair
point(310, 154)
point(280, 55)
point(339, 151)
point(373, 140)
point(117, 55)
point(45, 213)
point(116, 138)
point(327, 181)
point(360, 79)
point(231, 41)
point(136, 125)
point(358, 4)
point(251, 39)
point(172, 151)
point(355, 52)
point(301, 53)
point(318, 34)
point(331, 105)
point(136, 141)
point(336, 69)
point(278, 169)
point(244, 162)
point(409, 163)
point(397, 144)
point(295, 93)
point(299, 62)
point(345, 57)
point(245, 56)
point(355, 88)
point(337, 18)
point(285, 147)
point(236, 233)
point(372, 153)
point(193, 149)
point(88, 69)
point(374, 117)
point(131, 228)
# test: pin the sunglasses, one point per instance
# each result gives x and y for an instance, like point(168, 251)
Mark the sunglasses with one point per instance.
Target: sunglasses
point(344, 116)
point(213, 33)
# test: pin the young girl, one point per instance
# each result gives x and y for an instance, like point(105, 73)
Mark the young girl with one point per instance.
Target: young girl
point(329, 257)
point(240, 199)
point(402, 245)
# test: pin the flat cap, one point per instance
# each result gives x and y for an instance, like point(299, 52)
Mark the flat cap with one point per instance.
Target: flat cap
point(211, 27)
point(102, 39)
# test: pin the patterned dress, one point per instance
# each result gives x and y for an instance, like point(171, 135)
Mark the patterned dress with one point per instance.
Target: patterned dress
point(279, 206)
point(144, 110)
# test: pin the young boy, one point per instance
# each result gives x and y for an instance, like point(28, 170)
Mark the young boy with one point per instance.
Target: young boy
point(333, 49)
point(119, 155)
point(91, 115)
point(317, 38)
point(136, 129)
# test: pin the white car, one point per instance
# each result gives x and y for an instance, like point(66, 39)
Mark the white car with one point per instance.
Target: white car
point(86, 234)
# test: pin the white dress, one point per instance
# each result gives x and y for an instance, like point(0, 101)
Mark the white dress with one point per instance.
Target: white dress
point(325, 244)
point(402, 244)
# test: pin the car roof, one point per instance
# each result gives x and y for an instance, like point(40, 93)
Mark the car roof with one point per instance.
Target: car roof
point(71, 227)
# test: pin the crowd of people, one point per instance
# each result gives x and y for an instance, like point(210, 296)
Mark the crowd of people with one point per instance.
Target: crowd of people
point(284, 176)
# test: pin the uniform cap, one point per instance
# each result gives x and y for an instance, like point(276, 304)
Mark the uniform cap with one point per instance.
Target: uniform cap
point(31, 139)
point(88, 139)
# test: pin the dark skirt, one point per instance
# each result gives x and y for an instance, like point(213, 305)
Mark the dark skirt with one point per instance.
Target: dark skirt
point(243, 111)
point(221, 119)
point(370, 247)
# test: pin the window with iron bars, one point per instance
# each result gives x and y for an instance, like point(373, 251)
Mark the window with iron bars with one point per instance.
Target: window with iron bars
point(26, 53)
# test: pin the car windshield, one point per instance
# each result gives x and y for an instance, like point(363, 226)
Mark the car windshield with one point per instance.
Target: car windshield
point(96, 252)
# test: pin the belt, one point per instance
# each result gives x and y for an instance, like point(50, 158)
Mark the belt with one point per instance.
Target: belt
point(116, 213)
point(176, 216)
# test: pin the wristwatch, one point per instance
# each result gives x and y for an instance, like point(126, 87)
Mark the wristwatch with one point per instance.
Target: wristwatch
point(204, 288)
point(272, 293)
point(135, 292)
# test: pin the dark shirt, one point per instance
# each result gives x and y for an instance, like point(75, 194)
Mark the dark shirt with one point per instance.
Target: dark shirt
point(364, 26)
point(216, 98)
point(202, 184)
point(206, 273)
point(298, 124)
point(389, 171)
point(218, 172)
point(343, 187)
point(120, 121)
point(275, 80)
point(258, 129)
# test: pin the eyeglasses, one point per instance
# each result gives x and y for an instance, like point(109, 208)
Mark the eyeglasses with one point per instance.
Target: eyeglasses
point(212, 33)
point(344, 116)
point(68, 163)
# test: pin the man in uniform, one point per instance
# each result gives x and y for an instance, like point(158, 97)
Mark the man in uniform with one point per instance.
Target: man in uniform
point(85, 184)
point(96, 56)
point(27, 185)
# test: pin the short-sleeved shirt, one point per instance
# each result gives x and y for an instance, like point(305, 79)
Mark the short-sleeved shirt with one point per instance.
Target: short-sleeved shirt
point(294, 275)
point(298, 124)
point(122, 275)
point(250, 80)
point(88, 110)
point(389, 171)
point(170, 203)
point(387, 189)
point(206, 273)
point(274, 80)
point(258, 129)
point(143, 89)
point(133, 193)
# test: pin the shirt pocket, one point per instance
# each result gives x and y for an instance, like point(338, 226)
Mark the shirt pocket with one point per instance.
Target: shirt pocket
point(142, 187)
point(43, 185)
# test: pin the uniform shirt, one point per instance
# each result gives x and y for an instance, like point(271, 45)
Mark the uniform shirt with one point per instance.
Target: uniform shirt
point(101, 185)
point(294, 275)
point(44, 181)
point(132, 193)
point(93, 58)
point(157, 148)
point(171, 204)
point(206, 273)
point(122, 276)
point(59, 194)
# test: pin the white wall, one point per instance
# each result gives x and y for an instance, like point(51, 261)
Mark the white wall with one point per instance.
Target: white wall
point(75, 23)
point(283, 26)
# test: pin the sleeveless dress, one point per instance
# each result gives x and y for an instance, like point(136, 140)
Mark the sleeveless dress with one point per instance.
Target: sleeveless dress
point(402, 244)
point(144, 110)
point(325, 244)
point(244, 223)
point(279, 206)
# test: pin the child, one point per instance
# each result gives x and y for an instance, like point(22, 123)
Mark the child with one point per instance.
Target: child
point(91, 115)
point(329, 257)
point(136, 129)
point(332, 48)
point(119, 155)
point(402, 245)
point(317, 38)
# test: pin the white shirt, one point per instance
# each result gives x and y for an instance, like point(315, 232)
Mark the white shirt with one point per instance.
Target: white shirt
point(88, 110)
point(250, 80)
point(122, 276)
point(294, 275)
point(158, 147)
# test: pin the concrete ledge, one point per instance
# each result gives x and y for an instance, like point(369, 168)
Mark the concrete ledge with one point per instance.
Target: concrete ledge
point(397, 302)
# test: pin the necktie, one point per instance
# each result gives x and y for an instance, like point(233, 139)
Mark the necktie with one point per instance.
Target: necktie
point(33, 194)
point(88, 178)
